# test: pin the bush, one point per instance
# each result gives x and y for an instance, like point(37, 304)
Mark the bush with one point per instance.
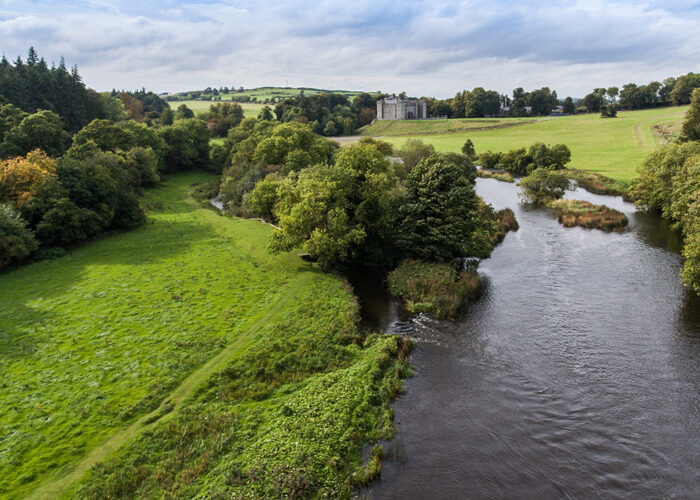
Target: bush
point(413, 152)
point(433, 287)
point(543, 186)
point(489, 159)
point(17, 242)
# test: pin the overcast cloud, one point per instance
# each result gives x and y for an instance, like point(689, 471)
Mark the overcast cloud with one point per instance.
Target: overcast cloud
point(422, 47)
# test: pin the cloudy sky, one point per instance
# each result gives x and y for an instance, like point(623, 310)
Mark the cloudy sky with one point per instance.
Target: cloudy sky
point(422, 47)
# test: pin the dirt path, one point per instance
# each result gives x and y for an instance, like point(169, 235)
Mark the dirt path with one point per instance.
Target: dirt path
point(171, 404)
point(638, 135)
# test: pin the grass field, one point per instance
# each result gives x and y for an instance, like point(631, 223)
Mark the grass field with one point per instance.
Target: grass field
point(387, 128)
point(250, 109)
point(126, 336)
point(613, 147)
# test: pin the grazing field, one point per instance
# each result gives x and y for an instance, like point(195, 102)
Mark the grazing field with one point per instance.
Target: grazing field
point(250, 109)
point(186, 325)
point(387, 128)
point(614, 147)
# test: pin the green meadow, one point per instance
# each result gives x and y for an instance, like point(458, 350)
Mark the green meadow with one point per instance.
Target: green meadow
point(614, 147)
point(250, 109)
point(185, 325)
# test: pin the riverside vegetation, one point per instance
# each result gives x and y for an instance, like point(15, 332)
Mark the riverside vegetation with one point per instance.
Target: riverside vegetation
point(94, 350)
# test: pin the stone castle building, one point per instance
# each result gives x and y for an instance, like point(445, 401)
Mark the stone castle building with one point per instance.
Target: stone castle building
point(393, 108)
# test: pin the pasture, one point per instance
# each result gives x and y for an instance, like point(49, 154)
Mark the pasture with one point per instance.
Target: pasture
point(614, 147)
point(250, 109)
point(118, 336)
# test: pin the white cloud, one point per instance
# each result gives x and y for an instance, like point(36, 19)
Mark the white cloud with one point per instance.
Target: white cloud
point(425, 48)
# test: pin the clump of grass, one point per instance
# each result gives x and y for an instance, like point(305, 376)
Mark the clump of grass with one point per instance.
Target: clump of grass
point(582, 213)
point(598, 183)
point(433, 287)
point(506, 222)
point(499, 176)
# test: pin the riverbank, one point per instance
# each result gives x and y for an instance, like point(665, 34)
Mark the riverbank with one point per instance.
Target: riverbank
point(187, 326)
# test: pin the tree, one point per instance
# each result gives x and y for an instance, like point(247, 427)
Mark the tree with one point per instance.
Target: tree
point(21, 176)
point(41, 130)
point(612, 93)
point(608, 111)
point(569, 106)
point(594, 101)
point(265, 114)
point(691, 125)
point(183, 112)
point(17, 242)
point(439, 217)
point(340, 213)
point(188, 143)
point(543, 186)
point(414, 151)
point(468, 150)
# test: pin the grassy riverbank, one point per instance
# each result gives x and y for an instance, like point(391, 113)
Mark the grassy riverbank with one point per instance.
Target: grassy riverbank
point(613, 147)
point(185, 327)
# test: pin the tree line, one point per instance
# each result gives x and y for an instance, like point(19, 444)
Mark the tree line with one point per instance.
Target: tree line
point(669, 185)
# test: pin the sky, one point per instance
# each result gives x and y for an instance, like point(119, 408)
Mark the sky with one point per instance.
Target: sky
point(426, 48)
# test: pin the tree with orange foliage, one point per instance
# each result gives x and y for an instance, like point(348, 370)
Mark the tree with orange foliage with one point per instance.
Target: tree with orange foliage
point(133, 107)
point(20, 176)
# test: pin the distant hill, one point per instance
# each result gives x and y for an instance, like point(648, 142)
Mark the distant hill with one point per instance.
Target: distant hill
point(262, 95)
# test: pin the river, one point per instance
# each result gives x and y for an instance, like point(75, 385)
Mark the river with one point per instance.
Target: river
point(575, 375)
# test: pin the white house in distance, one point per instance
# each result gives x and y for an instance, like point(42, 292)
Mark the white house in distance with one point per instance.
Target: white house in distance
point(393, 108)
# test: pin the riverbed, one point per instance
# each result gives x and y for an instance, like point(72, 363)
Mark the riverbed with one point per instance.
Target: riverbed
point(575, 375)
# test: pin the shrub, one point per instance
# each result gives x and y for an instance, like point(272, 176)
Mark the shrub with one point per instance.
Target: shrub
point(17, 242)
point(413, 152)
point(543, 186)
point(433, 287)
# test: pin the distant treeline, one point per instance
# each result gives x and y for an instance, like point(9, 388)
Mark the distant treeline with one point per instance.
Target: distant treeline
point(479, 102)
point(33, 85)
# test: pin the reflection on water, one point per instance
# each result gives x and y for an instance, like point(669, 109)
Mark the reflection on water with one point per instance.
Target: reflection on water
point(575, 375)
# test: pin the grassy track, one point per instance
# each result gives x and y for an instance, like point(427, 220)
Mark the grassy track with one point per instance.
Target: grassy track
point(613, 147)
point(98, 344)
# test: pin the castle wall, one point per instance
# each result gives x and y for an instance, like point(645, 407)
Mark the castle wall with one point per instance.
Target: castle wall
point(398, 109)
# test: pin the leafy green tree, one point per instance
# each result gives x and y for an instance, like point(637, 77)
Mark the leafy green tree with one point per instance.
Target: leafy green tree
point(183, 112)
point(41, 130)
point(414, 151)
point(17, 242)
point(266, 114)
point(261, 201)
point(594, 101)
point(543, 186)
point(691, 125)
point(385, 148)
point(10, 117)
point(188, 143)
point(612, 93)
point(489, 159)
point(339, 213)
point(683, 88)
point(569, 106)
point(468, 150)
point(608, 111)
point(440, 215)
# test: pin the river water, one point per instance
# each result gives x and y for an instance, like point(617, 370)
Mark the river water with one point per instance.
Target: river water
point(575, 375)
